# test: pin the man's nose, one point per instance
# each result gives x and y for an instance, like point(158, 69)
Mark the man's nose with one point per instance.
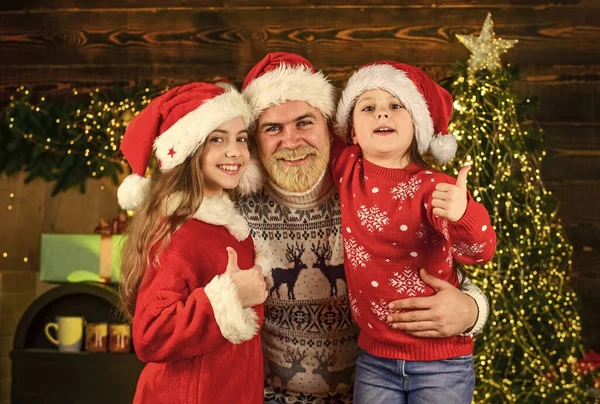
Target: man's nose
point(291, 138)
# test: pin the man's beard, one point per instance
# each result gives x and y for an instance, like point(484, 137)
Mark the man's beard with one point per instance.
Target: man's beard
point(298, 178)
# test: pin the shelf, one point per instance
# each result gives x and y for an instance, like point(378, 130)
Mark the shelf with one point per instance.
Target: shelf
point(47, 376)
point(85, 353)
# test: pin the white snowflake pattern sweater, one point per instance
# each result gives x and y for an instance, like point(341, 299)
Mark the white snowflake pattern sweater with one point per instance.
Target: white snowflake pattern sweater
point(389, 233)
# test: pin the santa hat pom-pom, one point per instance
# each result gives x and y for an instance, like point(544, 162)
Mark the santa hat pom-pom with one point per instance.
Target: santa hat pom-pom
point(443, 147)
point(253, 178)
point(133, 191)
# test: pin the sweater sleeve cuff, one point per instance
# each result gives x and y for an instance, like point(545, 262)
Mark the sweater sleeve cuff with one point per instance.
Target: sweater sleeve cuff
point(470, 219)
point(482, 313)
point(237, 324)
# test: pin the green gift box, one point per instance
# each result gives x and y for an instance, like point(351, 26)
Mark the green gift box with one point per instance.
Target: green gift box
point(81, 258)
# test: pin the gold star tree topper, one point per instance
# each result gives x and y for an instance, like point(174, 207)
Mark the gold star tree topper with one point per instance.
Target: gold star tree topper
point(486, 48)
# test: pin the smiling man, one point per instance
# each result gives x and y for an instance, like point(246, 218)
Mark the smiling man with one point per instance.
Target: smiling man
point(309, 338)
point(293, 153)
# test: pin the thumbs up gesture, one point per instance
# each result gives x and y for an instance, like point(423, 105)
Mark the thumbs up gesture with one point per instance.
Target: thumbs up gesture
point(450, 201)
point(250, 283)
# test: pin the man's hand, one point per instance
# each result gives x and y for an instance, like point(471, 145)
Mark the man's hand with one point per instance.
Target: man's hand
point(448, 313)
point(450, 201)
point(250, 284)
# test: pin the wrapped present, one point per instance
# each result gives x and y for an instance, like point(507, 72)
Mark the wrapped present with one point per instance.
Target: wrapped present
point(116, 225)
point(84, 257)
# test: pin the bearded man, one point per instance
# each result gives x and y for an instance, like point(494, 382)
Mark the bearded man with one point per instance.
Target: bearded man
point(309, 338)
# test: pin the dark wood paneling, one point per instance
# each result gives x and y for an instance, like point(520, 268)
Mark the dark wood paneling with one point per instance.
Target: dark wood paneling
point(590, 320)
point(560, 167)
point(559, 74)
point(564, 102)
point(585, 277)
point(590, 315)
point(58, 77)
point(579, 200)
point(160, 4)
point(105, 73)
point(585, 238)
point(552, 35)
point(572, 136)
point(573, 152)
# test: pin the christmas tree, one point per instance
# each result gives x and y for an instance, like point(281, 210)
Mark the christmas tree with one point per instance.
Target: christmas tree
point(529, 349)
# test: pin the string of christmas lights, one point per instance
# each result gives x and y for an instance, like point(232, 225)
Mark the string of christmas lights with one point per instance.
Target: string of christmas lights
point(72, 141)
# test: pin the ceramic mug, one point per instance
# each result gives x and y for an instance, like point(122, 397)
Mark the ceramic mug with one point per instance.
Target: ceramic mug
point(69, 331)
point(119, 338)
point(96, 337)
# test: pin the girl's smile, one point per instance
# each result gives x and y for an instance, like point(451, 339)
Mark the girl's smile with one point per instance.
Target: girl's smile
point(230, 169)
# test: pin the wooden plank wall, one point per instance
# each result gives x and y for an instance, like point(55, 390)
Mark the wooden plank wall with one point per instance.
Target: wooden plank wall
point(59, 44)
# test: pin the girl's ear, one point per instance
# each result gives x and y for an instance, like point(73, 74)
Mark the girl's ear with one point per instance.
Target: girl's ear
point(353, 136)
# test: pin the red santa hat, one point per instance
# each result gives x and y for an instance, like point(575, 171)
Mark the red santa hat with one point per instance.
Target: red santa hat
point(281, 77)
point(174, 125)
point(429, 105)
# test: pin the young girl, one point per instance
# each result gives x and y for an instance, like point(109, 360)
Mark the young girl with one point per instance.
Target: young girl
point(196, 315)
point(398, 216)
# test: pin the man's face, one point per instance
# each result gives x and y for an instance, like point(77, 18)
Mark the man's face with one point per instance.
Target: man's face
point(293, 143)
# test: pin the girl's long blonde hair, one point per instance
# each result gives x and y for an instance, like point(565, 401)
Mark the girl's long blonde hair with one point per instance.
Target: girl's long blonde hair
point(151, 228)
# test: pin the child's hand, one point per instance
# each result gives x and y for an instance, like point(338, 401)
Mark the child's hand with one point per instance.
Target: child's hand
point(250, 284)
point(450, 201)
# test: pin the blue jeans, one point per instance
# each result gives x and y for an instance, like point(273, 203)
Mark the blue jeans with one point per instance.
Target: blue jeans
point(393, 381)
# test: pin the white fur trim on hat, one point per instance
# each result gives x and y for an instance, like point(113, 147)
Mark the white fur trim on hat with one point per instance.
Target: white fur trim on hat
point(182, 139)
point(396, 82)
point(253, 178)
point(133, 191)
point(237, 324)
point(290, 83)
point(443, 147)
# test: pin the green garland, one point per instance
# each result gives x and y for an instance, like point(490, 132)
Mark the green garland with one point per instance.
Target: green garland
point(71, 141)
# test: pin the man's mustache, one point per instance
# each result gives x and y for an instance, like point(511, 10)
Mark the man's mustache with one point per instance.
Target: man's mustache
point(297, 153)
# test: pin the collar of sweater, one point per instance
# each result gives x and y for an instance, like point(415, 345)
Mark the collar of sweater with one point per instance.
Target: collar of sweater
point(394, 174)
point(319, 193)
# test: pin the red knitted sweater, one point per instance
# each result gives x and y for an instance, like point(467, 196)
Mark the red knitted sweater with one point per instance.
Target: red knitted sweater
point(389, 234)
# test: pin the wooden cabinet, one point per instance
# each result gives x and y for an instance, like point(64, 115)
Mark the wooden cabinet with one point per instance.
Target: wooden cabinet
point(41, 374)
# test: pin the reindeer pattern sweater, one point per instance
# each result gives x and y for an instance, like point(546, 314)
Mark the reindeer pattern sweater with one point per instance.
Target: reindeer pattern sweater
point(390, 233)
point(309, 338)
